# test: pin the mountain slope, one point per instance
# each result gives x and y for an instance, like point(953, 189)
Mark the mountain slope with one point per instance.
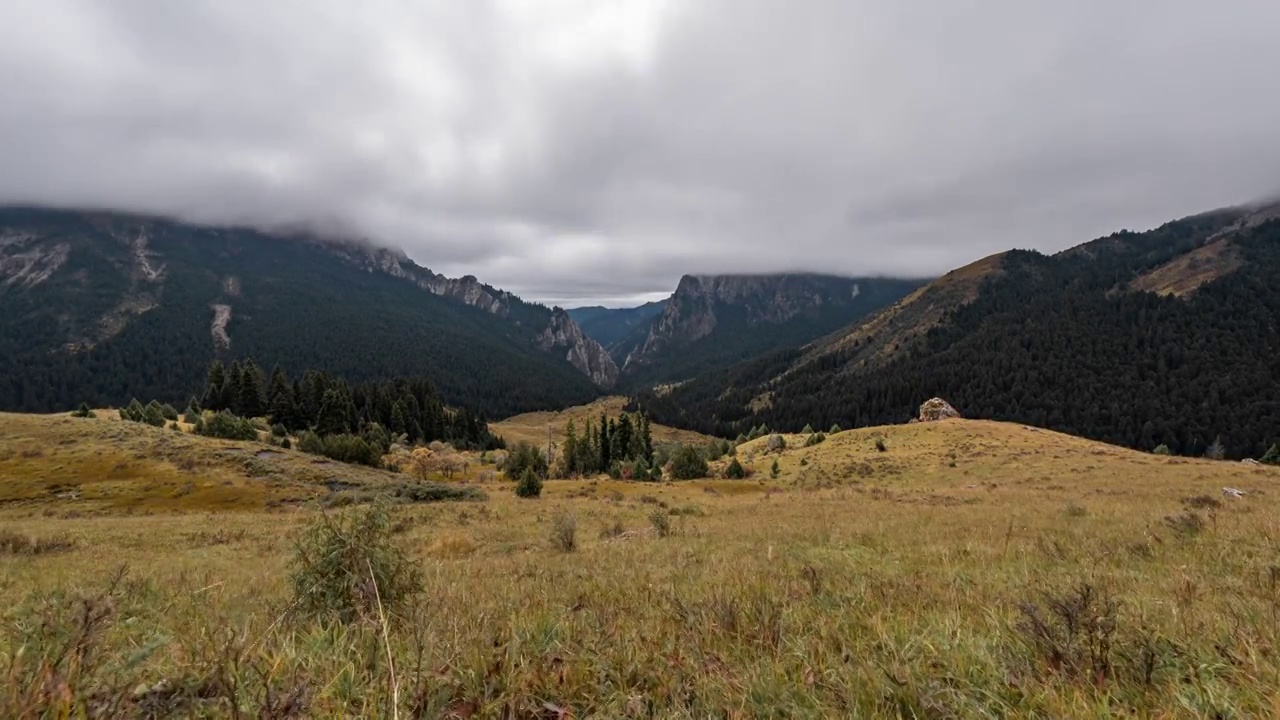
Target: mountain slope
point(711, 322)
point(103, 307)
point(608, 326)
point(1076, 342)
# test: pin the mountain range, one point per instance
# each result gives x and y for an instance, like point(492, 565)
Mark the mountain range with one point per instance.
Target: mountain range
point(713, 321)
point(1169, 338)
point(102, 307)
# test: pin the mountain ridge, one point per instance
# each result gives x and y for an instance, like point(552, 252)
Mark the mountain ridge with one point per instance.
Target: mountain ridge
point(1165, 337)
point(144, 297)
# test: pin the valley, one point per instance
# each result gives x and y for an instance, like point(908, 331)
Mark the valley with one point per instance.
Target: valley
point(721, 505)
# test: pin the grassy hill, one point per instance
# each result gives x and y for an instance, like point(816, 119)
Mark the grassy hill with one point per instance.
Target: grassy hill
point(533, 427)
point(934, 579)
point(75, 467)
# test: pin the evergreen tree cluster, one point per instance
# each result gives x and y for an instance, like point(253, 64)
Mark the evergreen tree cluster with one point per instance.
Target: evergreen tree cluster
point(621, 446)
point(1062, 342)
point(329, 407)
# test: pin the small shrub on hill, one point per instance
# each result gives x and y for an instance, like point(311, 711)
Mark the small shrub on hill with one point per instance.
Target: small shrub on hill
point(529, 485)
point(347, 567)
point(774, 469)
point(687, 463)
point(815, 439)
point(835, 428)
point(735, 471)
point(775, 443)
point(226, 426)
point(1216, 451)
point(1161, 449)
point(880, 446)
point(84, 411)
point(351, 449)
point(808, 430)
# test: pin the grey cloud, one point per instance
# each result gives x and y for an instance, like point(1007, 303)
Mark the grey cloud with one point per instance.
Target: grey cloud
point(580, 151)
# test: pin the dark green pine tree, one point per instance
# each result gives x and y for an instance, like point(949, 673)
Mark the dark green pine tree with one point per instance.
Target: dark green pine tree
point(605, 440)
point(570, 451)
point(253, 391)
point(622, 439)
point(231, 389)
point(215, 385)
point(332, 419)
point(646, 437)
point(399, 419)
point(281, 402)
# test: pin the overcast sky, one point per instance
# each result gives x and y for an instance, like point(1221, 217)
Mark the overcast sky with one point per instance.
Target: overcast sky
point(588, 151)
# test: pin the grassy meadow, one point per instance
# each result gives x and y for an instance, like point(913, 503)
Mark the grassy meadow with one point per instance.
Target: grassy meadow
point(969, 570)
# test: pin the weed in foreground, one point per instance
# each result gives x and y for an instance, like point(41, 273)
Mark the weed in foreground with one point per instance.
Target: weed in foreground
point(564, 531)
point(347, 566)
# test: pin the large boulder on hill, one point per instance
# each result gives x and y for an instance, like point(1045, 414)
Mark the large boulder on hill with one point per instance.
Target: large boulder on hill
point(937, 409)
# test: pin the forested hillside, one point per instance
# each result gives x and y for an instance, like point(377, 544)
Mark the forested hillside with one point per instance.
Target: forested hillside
point(102, 308)
point(714, 321)
point(1069, 342)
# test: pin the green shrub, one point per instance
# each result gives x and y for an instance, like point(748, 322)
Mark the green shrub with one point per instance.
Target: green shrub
point(564, 531)
point(1272, 457)
point(661, 522)
point(1161, 449)
point(687, 463)
point(351, 449)
point(279, 430)
point(227, 426)
point(525, 457)
point(346, 567)
point(309, 442)
point(808, 430)
point(530, 484)
point(835, 428)
point(84, 411)
point(815, 439)
point(775, 443)
point(428, 492)
point(735, 471)
point(168, 412)
point(880, 446)
point(774, 469)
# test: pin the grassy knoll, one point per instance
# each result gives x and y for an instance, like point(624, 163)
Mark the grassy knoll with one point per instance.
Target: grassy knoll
point(533, 427)
point(972, 569)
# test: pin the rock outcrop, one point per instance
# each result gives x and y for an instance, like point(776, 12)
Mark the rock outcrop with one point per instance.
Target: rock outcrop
point(581, 351)
point(937, 409)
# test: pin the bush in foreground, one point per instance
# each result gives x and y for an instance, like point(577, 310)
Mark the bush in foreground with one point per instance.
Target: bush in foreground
point(346, 567)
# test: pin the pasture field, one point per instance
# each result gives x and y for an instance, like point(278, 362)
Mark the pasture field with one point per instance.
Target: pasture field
point(969, 570)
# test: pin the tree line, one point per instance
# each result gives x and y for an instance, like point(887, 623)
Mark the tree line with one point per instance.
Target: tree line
point(329, 406)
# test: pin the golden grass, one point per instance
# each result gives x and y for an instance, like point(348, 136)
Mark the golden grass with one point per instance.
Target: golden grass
point(1185, 273)
point(76, 466)
point(534, 427)
point(858, 584)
